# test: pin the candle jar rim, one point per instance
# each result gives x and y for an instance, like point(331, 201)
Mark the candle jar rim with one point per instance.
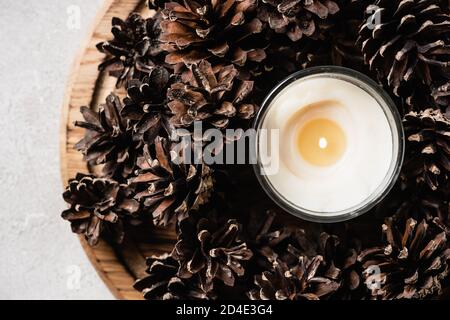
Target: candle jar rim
point(392, 115)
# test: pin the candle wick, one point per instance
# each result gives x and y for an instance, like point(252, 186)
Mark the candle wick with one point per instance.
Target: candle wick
point(323, 143)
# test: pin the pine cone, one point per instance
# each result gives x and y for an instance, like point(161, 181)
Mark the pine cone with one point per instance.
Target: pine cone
point(156, 4)
point(98, 207)
point(303, 281)
point(212, 250)
point(344, 33)
point(169, 190)
point(108, 139)
point(421, 203)
point(285, 57)
point(297, 18)
point(342, 265)
point(145, 105)
point(213, 95)
point(221, 31)
point(408, 47)
point(282, 248)
point(162, 282)
point(412, 265)
point(427, 158)
point(269, 237)
point(135, 50)
point(263, 232)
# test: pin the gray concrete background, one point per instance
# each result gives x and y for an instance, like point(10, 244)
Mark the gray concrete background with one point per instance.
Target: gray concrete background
point(39, 257)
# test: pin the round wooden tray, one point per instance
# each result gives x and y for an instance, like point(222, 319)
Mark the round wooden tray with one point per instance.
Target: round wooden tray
point(118, 266)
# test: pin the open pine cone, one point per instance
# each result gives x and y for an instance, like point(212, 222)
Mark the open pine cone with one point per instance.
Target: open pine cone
point(214, 96)
point(418, 202)
point(413, 264)
point(342, 265)
point(168, 190)
point(297, 18)
point(135, 49)
point(162, 282)
point(427, 149)
point(303, 281)
point(211, 250)
point(286, 248)
point(108, 139)
point(285, 57)
point(223, 31)
point(421, 203)
point(407, 43)
point(263, 233)
point(156, 4)
point(97, 207)
point(145, 105)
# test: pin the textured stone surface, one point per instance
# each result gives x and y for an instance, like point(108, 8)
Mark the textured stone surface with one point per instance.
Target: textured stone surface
point(40, 258)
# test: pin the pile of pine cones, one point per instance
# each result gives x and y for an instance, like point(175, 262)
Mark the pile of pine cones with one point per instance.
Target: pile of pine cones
point(214, 61)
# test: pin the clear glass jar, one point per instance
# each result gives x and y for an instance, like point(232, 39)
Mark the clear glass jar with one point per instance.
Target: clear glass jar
point(395, 124)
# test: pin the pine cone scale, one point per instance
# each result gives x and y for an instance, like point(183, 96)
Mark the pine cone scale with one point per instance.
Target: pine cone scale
point(407, 47)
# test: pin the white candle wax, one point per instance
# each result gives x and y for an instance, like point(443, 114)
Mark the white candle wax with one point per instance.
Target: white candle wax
point(337, 144)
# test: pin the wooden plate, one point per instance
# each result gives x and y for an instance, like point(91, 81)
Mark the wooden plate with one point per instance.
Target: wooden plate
point(118, 266)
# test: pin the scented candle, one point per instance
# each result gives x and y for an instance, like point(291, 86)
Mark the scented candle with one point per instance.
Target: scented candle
point(339, 144)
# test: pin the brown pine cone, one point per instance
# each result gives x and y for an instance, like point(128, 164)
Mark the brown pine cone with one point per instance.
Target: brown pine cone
point(98, 207)
point(261, 232)
point(339, 267)
point(163, 283)
point(427, 157)
point(297, 18)
point(134, 50)
point(419, 203)
point(168, 190)
point(214, 96)
point(413, 264)
point(408, 47)
point(145, 105)
point(341, 261)
point(339, 264)
point(303, 281)
point(269, 237)
point(285, 57)
point(223, 31)
point(108, 139)
point(344, 33)
point(211, 250)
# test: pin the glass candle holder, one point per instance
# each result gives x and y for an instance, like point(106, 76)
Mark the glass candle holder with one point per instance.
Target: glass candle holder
point(329, 144)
